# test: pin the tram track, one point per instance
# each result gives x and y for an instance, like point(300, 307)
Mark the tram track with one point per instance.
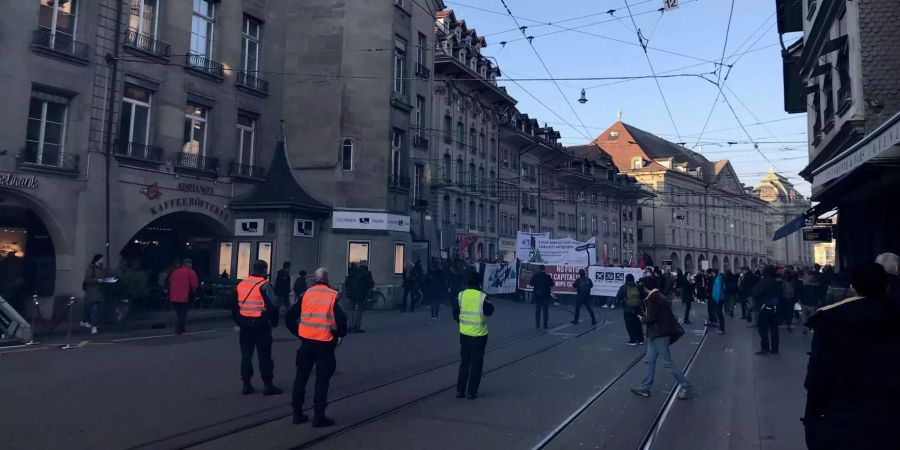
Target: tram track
point(161, 442)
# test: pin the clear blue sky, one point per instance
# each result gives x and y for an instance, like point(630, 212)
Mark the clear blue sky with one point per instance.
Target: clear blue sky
point(696, 29)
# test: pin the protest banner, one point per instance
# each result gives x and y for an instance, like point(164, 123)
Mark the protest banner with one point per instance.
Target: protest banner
point(499, 279)
point(539, 249)
point(608, 280)
point(563, 276)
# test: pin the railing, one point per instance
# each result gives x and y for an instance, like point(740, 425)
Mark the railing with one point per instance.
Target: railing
point(202, 63)
point(398, 182)
point(253, 82)
point(49, 159)
point(198, 162)
point(236, 169)
point(420, 142)
point(59, 42)
point(423, 72)
point(147, 44)
point(140, 151)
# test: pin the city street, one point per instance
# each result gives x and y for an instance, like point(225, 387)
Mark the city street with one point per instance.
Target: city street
point(565, 388)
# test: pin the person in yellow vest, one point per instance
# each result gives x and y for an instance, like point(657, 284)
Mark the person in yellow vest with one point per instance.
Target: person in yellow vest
point(471, 310)
point(320, 323)
point(256, 314)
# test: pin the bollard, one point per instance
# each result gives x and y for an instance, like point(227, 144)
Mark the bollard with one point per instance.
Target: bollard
point(69, 344)
point(34, 298)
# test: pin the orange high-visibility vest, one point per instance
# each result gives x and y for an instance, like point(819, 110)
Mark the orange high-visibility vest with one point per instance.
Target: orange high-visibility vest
point(249, 297)
point(317, 313)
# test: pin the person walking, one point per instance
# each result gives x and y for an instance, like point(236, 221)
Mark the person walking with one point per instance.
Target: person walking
point(629, 295)
point(437, 288)
point(662, 330)
point(471, 309)
point(809, 295)
point(93, 293)
point(766, 295)
point(283, 284)
point(256, 314)
point(182, 285)
point(686, 291)
point(790, 289)
point(716, 304)
point(410, 286)
point(299, 286)
point(358, 284)
point(542, 283)
point(731, 291)
point(320, 324)
point(851, 379)
point(583, 287)
point(745, 285)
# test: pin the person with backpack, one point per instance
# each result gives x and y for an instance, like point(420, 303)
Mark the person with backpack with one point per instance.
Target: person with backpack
point(767, 294)
point(629, 296)
point(583, 287)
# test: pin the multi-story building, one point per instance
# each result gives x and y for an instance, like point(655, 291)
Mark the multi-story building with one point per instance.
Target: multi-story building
point(701, 216)
point(785, 204)
point(844, 73)
point(463, 162)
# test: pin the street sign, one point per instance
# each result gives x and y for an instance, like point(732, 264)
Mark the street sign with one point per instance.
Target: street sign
point(670, 4)
point(818, 234)
point(824, 222)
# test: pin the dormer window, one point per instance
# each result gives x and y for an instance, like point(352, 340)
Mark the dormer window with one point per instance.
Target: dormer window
point(613, 136)
point(637, 163)
point(462, 55)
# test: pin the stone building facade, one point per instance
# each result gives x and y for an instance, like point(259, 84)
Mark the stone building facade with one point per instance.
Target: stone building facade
point(701, 215)
point(785, 204)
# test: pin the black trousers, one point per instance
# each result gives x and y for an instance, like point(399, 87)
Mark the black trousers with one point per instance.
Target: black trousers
point(181, 310)
point(541, 306)
point(256, 337)
point(470, 366)
point(767, 322)
point(718, 308)
point(408, 294)
point(321, 355)
point(687, 309)
point(586, 301)
point(633, 324)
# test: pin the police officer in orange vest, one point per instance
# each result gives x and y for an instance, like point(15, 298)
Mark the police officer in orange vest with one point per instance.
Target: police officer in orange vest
point(320, 323)
point(256, 314)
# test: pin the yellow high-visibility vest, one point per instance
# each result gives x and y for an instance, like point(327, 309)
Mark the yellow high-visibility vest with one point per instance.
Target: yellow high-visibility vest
point(472, 321)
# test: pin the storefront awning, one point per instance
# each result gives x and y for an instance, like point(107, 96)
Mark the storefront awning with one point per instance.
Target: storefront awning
point(880, 143)
point(799, 222)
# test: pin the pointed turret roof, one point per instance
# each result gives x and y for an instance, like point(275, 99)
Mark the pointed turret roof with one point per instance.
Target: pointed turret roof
point(280, 190)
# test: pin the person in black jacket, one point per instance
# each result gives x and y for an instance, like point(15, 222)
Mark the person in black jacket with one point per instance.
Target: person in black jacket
point(256, 332)
point(437, 287)
point(299, 286)
point(583, 287)
point(318, 353)
point(852, 377)
point(283, 284)
point(542, 283)
point(766, 295)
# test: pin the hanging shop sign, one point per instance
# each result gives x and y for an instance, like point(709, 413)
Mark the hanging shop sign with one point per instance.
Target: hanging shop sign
point(303, 228)
point(249, 227)
point(18, 181)
point(818, 234)
point(364, 220)
point(195, 203)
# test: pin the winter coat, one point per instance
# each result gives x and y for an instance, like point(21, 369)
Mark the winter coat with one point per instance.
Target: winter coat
point(718, 288)
point(542, 283)
point(583, 287)
point(660, 319)
point(851, 380)
point(283, 283)
point(93, 288)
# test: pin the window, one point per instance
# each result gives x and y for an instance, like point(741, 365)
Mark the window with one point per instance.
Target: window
point(674, 236)
point(445, 209)
point(347, 154)
point(264, 253)
point(225, 252)
point(142, 20)
point(396, 148)
point(471, 214)
point(243, 260)
point(417, 182)
point(561, 221)
point(613, 136)
point(827, 85)
point(460, 172)
point(194, 130)
point(480, 184)
point(246, 133)
point(572, 221)
point(687, 237)
point(640, 213)
point(420, 114)
point(490, 217)
point(400, 66)
point(448, 129)
point(582, 219)
point(460, 134)
point(473, 177)
point(445, 170)
point(250, 36)
point(399, 258)
point(59, 19)
point(357, 252)
point(202, 28)
point(480, 216)
point(45, 136)
point(637, 163)
point(472, 144)
point(134, 127)
point(421, 55)
point(605, 226)
point(640, 235)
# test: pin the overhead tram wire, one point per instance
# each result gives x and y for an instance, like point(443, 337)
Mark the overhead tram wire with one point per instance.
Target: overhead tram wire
point(653, 71)
point(719, 70)
point(558, 88)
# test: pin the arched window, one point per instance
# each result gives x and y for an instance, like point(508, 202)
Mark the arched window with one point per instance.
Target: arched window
point(347, 154)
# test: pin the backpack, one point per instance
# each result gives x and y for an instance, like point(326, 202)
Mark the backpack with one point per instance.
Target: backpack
point(632, 297)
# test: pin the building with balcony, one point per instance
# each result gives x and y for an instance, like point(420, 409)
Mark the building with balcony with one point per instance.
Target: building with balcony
point(785, 204)
point(701, 215)
point(844, 73)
